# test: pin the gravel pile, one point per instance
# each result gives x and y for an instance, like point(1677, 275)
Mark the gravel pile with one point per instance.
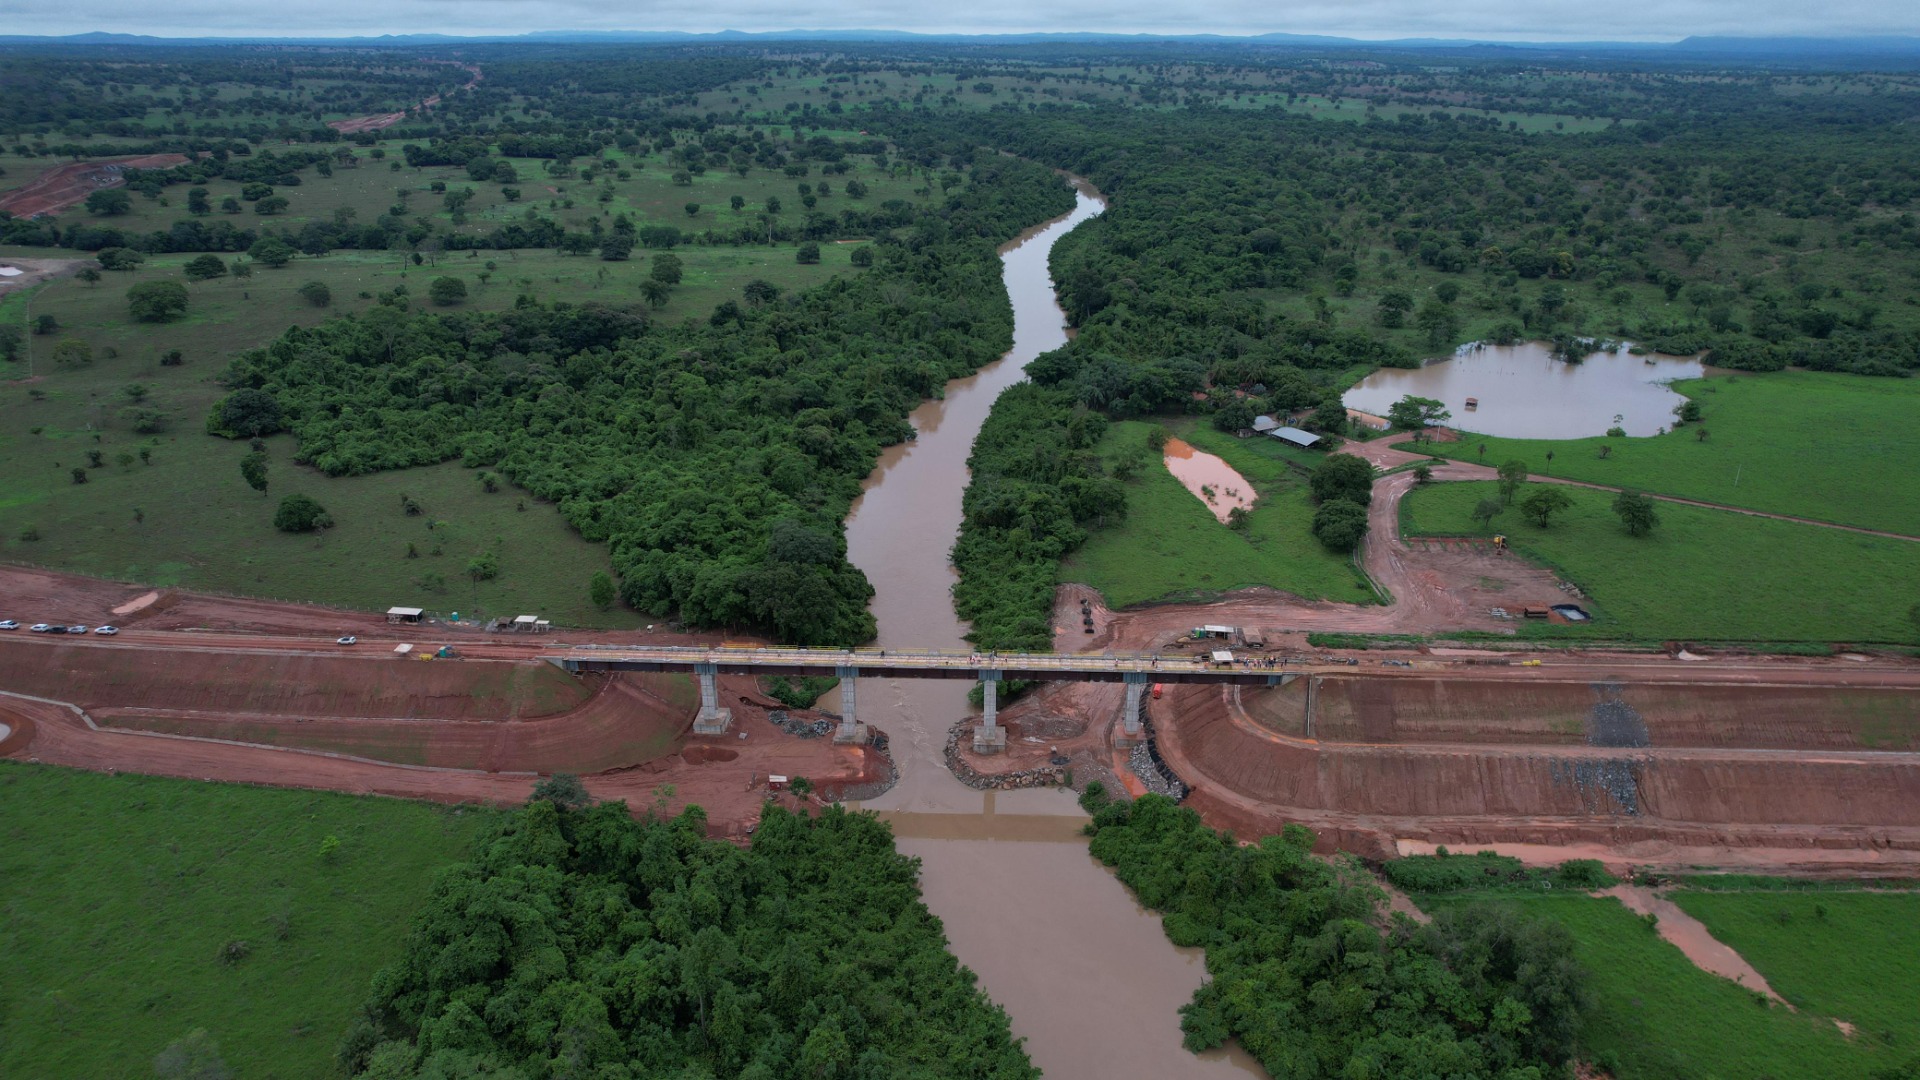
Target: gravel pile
point(1606, 785)
point(1613, 722)
point(1152, 770)
point(805, 729)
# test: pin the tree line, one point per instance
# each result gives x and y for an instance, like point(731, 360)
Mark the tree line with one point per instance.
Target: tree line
point(717, 458)
point(581, 941)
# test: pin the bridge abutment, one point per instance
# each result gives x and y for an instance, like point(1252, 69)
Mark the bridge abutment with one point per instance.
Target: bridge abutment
point(711, 719)
point(851, 731)
point(1131, 729)
point(990, 737)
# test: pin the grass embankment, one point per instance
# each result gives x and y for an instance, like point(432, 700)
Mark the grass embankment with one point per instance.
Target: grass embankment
point(189, 519)
point(1702, 574)
point(1659, 1017)
point(1809, 444)
point(1851, 956)
point(1170, 546)
point(122, 892)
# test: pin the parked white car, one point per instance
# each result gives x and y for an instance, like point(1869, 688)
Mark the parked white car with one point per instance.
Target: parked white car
point(106, 631)
point(9, 624)
point(348, 640)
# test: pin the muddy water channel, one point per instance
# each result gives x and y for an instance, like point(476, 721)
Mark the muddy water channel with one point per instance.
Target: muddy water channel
point(1211, 480)
point(1524, 393)
point(1088, 977)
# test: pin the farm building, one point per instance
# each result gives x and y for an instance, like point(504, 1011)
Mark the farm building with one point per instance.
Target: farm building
point(404, 614)
point(1294, 436)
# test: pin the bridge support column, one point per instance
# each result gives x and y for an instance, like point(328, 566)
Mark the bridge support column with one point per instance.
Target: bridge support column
point(711, 719)
point(1131, 730)
point(851, 731)
point(990, 737)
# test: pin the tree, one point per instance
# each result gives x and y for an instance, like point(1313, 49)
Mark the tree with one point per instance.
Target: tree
point(206, 268)
point(300, 513)
point(72, 352)
point(862, 256)
point(246, 413)
point(563, 790)
point(655, 292)
point(1417, 413)
point(157, 301)
point(110, 202)
point(1440, 322)
point(271, 205)
point(10, 340)
point(1545, 502)
point(119, 258)
point(79, 475)
point(1340, 524)
point(1423, 473)
point(272, 251)
point(1486, 510)
point(759, 293)
point(666, 269)
point(484, 566)
point(1512, 475)
point(1393, 306)
point(600, 590)
point(253, 468)
point(1342, 476)
point(447, 291)
point(737, 203)
point(197, 202)
point(316, 293)
point(89, 275)
point(808, 254)
point(616, 246)
point(1636, 512)
point(693, 209)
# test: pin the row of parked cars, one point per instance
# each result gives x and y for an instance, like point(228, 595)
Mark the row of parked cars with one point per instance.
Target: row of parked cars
point(55, 628)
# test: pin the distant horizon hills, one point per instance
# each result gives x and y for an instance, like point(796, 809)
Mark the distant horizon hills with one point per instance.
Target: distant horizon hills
point(1856, 45)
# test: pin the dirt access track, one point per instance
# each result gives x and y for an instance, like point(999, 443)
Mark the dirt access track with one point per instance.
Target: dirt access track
point(387, 120)
point(256, 692)
point(69, 185)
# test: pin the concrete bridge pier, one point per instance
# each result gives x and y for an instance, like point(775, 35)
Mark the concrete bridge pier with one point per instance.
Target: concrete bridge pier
point(851, 731)
point(712, 719)
point(1131, 729)
point(990, 737)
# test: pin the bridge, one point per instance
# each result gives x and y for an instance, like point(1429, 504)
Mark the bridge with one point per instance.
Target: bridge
point(1136, 670)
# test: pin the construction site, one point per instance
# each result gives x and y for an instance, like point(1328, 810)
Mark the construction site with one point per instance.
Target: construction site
point(1789, 763)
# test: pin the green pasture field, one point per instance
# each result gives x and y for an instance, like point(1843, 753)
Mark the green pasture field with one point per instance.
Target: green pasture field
point(121, 892)
point(1659, 1017)
point(649, 195)
point(203, 527)
point(1854, 956)
point(1809, 444)
point(1702, 573)
point(1171, 546)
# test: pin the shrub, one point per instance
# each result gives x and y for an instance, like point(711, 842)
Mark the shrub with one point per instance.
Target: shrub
point(300, 513)
point(157, 301)
point(316, 293)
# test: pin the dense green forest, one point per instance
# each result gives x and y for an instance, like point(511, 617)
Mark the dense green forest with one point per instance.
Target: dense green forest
point(583, 942)
point(1304, 976)
point(718, 458)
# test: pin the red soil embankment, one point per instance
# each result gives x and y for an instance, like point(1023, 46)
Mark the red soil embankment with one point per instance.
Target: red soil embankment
point(1363, 796)
point(67, 185)
point(1536, 711)
point(98, 676)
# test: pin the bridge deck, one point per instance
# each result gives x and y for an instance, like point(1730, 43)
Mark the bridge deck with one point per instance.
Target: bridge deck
point(936, 664)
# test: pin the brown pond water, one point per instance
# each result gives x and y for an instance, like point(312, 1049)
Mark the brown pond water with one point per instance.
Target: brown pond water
point(1211, 480)
point(1087, 976)
point(1524, 393)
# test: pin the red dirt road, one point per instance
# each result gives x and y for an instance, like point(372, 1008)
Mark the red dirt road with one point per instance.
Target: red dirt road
point(387, 120)
point(68, 185)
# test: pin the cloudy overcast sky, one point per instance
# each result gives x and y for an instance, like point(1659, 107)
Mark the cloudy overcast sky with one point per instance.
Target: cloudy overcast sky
point(1534, 20)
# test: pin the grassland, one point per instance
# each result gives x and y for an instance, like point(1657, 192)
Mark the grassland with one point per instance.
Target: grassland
point(1852, 956)
point(121, 892)
point(1661, 1018)
point(1171, 546)
point(1809, 444)
point(1702, 573)
point(199, 525)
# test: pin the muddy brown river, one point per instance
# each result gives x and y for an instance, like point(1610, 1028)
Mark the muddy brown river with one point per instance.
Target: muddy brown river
point(1089, 979)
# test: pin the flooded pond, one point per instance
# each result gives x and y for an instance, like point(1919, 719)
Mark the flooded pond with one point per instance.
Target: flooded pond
point(1211, 480)
point(1524, 393)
